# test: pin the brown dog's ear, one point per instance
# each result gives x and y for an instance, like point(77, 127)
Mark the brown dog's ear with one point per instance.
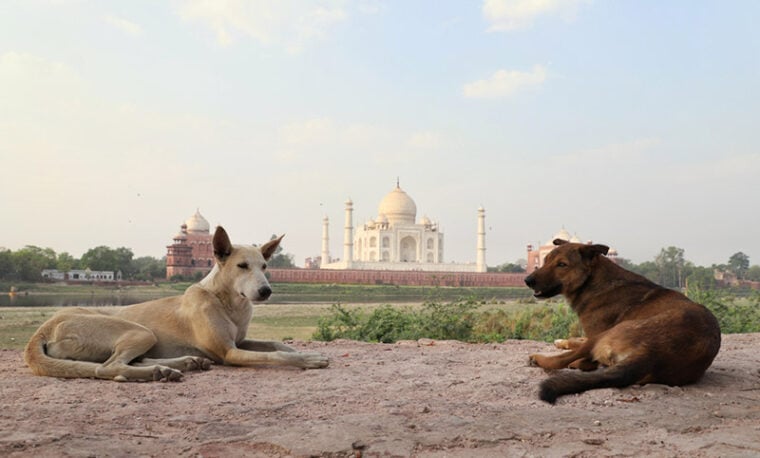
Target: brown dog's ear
point(590, 251)
point(268, 249)
point(222, 244)
point(559, 242)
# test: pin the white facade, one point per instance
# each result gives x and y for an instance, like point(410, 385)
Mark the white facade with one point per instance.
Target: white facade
point(396, 241)
point(81, 275)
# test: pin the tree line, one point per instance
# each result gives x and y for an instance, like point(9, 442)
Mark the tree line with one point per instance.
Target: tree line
point(670, 268)
point(28, 263)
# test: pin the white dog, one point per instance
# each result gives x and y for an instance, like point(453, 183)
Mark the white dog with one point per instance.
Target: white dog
point(156, 340)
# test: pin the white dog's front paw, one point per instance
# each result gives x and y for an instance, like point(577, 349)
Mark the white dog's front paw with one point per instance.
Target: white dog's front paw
point(313, 360)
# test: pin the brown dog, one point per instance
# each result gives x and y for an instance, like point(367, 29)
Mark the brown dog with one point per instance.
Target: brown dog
point(638, 331)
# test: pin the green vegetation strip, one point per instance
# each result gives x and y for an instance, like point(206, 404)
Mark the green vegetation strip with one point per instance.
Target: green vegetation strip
point(465, 320)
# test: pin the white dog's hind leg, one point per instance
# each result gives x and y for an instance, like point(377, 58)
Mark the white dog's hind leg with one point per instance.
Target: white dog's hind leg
point(129, 346)
point(183, 363)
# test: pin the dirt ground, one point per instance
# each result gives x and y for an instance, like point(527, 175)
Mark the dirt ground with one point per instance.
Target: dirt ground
point(424, 399)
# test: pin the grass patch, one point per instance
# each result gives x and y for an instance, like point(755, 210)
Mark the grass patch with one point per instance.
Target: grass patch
point(18, 324)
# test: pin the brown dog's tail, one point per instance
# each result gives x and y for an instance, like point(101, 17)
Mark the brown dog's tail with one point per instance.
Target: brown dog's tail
point(573, 381)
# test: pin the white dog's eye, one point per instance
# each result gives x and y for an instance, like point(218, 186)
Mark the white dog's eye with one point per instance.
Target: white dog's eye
point(243, 265)
point(263, 267)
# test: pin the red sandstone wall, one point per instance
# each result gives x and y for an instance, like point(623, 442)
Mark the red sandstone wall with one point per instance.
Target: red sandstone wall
point(388, 277)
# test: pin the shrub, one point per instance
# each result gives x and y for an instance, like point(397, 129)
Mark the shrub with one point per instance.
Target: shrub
point(447, 321)
point(452, 321)
point(547, 323)
point(734, 315)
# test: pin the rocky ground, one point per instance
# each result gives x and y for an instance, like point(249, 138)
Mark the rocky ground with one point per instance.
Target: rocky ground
point(424, 399)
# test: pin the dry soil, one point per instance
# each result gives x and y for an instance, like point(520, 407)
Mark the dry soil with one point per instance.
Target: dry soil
point(424, 399)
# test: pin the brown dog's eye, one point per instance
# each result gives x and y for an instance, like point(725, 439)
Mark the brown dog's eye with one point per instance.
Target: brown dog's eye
point(243, 265)
point(561, 264)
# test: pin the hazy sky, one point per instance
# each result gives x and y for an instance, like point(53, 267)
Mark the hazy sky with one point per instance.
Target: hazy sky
point(631, 123)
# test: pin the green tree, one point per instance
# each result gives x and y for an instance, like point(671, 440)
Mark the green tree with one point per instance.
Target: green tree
point(148, 268)
point(753, 273)
point(738, 263)
point(65, 262)
point(279, 259)
point(6, 264)
point(670, 267)
point(701, 278)
point(507, 267)
point(105, 258)
point(30, 261)
point(647, 269)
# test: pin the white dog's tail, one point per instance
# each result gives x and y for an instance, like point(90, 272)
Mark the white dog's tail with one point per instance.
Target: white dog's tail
point(43, 364)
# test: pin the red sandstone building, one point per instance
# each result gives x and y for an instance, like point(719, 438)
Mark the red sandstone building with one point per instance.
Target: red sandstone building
point(192, 252)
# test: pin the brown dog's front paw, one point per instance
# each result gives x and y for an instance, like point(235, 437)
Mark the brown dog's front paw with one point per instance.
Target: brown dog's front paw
point(532, 360)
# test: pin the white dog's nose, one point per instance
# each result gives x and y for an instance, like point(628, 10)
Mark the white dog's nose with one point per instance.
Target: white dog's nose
point(264, 293)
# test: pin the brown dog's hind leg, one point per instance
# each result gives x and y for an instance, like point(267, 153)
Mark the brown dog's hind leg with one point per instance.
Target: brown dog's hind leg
point(562, 360)
point(584, 364)
point(571, 343)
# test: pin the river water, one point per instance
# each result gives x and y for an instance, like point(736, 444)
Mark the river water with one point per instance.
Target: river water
point(71, 300)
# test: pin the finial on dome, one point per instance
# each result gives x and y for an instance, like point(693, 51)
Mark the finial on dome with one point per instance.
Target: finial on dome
point(397, 183)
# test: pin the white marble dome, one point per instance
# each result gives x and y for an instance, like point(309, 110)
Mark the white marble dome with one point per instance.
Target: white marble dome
point(398, 207)
point(197, 223)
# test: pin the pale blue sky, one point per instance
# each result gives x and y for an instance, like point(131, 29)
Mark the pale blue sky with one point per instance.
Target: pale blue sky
point(630, 123)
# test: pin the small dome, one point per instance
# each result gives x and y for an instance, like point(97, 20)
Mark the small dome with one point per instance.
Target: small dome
point(575, 239)
point(398, 207)
point(197, 223)
point(425, 221)
point(382, 218)
point(562, 234)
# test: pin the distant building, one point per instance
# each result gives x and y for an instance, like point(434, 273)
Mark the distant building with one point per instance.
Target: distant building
point(537, 255)
point(81, 275)
point(192, 251)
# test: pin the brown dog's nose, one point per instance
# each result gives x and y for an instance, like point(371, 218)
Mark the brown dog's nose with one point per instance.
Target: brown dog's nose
point(530, 280)
point(264, 293)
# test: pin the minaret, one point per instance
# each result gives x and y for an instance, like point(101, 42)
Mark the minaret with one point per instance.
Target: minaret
point(325, 242)
point(348, 235)
point(481, 259)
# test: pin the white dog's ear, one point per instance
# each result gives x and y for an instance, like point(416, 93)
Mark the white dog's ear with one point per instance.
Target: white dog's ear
point(222, 244)
point(268, 249)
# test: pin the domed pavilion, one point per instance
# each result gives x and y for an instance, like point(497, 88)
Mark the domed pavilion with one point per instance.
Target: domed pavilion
point(192, 252)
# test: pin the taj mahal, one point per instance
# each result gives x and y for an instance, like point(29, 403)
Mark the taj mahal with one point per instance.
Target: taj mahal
point(396, 240)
